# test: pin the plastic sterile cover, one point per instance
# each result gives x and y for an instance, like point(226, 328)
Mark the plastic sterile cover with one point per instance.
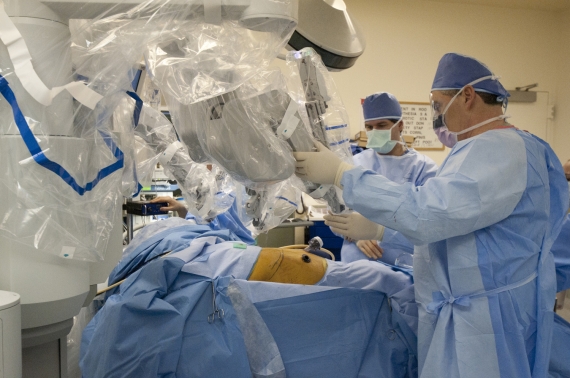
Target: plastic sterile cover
point(276, 203)
point(123, 128)
point(199, 60)
point(315, 102)
point(311, 84)
point(199, 186)
point(61, 153)
point(60, 162)
point(234, 130)
point(62, 199)
point(225, 195)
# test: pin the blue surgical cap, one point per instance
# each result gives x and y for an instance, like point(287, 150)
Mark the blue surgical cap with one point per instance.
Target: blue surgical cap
point(456, 71)
point(381, 106)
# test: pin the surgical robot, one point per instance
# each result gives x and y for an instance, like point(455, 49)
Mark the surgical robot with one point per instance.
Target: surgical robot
point(55, 270)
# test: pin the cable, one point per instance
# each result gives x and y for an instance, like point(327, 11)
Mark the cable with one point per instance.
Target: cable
point(123, 280)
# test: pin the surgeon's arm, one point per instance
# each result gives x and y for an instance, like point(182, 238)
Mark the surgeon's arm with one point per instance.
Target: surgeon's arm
point(479, 185)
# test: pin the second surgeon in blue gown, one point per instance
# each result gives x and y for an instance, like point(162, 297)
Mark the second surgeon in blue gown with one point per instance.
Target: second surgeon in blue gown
point(389, 157)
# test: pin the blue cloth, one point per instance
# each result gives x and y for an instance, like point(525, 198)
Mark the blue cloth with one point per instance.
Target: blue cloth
point(568, 179)
point(230, 221)
point(561, 252)
point(486, 221)
point(411, 167)
point(560, 353)
point(393, 244)
point(158, 324)
point(455, 71)
point(355, 149)
point(174, 240)
point(381, 106)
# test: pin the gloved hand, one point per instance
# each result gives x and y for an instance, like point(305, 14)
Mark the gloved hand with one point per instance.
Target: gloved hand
point(354, 226)
point(321, 167)
point(370, 248)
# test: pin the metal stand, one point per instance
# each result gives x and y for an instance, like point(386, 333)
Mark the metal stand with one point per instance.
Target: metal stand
point(130, 228)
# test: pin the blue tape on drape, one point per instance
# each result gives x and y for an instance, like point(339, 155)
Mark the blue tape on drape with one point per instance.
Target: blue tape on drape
point(336, 127)
point(40, 158)
point(139, 188)
point(285, 199)
point(337, 143)
point(138, 107)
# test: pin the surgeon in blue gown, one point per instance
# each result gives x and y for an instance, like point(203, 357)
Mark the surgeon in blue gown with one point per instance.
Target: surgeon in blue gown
point(483, 228)
point(387, 155)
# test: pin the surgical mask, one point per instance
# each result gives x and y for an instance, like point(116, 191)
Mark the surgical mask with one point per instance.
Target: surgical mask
point(381, 140)
point(445, 136)
point(439, 121)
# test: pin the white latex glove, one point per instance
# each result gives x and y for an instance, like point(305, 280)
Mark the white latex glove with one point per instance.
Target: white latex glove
point(321, 167)
point(354, 226)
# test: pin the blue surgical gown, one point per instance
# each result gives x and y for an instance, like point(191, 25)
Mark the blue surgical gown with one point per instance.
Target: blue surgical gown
point(411, 167)
point(561, 252)
point(483, 229)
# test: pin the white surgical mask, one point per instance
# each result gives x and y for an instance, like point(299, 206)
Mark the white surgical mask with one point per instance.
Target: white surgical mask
point(381, 140)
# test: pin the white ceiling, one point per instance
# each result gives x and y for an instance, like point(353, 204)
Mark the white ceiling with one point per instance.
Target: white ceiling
point(548, 5)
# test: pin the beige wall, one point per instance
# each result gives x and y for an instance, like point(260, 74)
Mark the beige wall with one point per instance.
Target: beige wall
point(406, 38)
point(561, 143)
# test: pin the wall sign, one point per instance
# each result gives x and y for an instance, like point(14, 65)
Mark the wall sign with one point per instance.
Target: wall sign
point(418, 123)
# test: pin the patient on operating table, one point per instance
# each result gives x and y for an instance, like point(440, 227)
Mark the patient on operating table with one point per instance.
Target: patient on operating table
point(222, 306)
point(199, 301)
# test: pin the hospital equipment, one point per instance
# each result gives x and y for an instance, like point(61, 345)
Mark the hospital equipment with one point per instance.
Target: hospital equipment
point(144, 208)
point(266, 109)
point(62, 279)
point(10, 335)
point(62, 213)
point(327, 27)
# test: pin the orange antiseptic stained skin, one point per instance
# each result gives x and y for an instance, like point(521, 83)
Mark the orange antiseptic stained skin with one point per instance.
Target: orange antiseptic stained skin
point(288, 266)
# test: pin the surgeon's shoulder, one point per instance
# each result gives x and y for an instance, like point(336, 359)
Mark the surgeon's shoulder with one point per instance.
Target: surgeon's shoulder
point(426, 159)
point(496, 142)
point(503, 150)
point(423, 162)
point(363, 156)
point(532, 141)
